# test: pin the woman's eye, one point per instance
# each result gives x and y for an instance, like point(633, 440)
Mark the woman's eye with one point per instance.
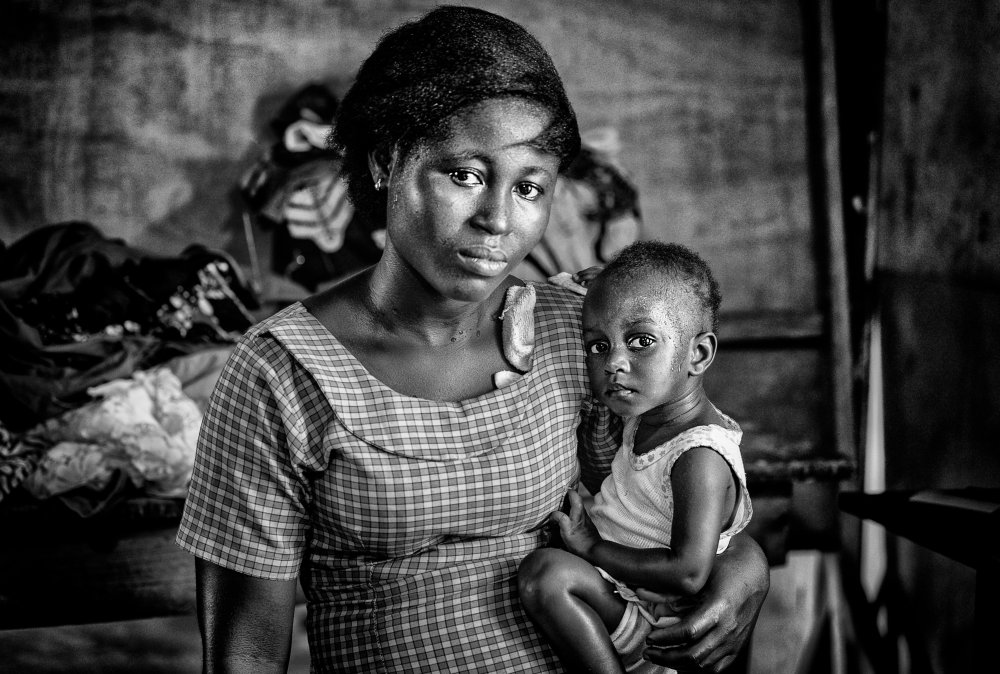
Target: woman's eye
point(466, 177)
point(528, 191)
point(597, 347)
point(640, 342)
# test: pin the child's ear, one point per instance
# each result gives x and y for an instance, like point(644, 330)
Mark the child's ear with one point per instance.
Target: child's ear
point(702, 353)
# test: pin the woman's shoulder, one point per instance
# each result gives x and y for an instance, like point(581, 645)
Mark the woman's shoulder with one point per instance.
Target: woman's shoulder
point(288, 324)
point(288, 338)
point(557, 305)
point(289, 315)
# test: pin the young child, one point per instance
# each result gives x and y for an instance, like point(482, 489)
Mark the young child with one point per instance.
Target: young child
point(677, 490)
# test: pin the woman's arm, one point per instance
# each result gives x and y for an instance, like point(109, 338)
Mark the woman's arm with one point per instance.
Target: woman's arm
point(711, 635)
point(245, 622)
point(598, 437)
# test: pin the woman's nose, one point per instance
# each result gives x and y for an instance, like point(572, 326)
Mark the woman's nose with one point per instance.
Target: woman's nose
point(492, 213)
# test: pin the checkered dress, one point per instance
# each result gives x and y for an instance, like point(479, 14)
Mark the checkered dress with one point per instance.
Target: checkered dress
point(406, 517)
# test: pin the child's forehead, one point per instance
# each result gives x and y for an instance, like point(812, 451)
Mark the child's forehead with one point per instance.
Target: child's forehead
point(620, 304)
point(646, 289)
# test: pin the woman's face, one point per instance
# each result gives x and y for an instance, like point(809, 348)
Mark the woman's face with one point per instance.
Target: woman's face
point(464, 209)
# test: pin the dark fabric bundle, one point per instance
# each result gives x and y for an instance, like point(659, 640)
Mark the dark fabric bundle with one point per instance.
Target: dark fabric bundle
point(78, 309)
point(424, 72)
point(299, 193)
point(264, 181)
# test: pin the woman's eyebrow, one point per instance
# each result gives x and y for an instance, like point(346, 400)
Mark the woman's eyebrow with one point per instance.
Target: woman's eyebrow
point(466, 155)
point(542, 170)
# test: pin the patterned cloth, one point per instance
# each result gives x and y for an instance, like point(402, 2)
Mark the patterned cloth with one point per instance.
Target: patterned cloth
point(406, 517)
point(19, 457)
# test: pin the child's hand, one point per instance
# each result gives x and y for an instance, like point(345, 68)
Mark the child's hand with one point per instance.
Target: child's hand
point(577, 530)
point(587, 275)
point(666, 605)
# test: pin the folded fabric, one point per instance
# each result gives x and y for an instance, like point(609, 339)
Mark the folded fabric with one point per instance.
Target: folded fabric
point(144, 427)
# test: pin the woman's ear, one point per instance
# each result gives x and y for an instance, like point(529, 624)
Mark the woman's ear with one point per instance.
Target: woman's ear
point(380, 164)
point(702, 352)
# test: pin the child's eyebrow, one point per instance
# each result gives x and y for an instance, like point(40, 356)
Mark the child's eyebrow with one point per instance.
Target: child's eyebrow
point(640, 321)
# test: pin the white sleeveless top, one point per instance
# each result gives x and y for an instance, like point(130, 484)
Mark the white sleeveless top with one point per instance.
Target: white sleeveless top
point(635, 505)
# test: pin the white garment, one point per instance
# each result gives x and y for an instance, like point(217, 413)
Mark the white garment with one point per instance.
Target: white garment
point(629, 639)
point(635, 505)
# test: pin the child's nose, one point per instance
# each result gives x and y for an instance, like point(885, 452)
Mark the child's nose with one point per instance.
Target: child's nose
point(618, 361)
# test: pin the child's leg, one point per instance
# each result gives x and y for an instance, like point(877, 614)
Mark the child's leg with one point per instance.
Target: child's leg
point(574, 607)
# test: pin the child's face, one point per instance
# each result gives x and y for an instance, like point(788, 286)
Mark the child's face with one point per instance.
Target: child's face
point(636, 357)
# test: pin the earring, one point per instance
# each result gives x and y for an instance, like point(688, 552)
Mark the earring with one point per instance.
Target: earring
point(378, 185)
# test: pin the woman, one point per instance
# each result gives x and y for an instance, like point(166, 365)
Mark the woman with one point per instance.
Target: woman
point(358, 440)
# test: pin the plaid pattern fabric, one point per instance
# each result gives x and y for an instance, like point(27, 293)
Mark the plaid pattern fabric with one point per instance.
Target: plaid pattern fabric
point(407, 517)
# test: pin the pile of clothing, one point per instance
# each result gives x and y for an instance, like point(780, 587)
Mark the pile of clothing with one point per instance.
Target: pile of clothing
point(108, 360)
point(295, 190)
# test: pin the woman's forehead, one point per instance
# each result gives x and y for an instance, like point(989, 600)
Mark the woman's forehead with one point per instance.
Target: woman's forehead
point(508, 115)
point(494, 124)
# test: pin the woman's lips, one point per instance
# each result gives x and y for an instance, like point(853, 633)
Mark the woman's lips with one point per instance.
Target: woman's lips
point(483, 260)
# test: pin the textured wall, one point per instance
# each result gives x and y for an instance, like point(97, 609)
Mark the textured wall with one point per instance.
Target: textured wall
point(139, 116)
point(939, 202)
point(938, 223)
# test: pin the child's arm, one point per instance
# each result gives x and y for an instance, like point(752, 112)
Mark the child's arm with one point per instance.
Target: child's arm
point(704, 497)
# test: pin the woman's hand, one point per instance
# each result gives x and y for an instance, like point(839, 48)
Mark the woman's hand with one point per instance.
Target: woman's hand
point(577, 530)
point(711, 634)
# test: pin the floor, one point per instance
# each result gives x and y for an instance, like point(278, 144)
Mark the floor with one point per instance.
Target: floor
point(154, 646)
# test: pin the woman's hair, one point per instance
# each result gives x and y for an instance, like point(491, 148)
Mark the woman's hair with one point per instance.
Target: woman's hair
point(421, 74)
point(687, 281)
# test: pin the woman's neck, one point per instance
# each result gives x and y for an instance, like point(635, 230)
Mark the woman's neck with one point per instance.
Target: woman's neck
point(401, 303)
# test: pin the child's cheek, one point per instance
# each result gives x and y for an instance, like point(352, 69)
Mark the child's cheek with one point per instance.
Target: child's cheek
point(595, 371)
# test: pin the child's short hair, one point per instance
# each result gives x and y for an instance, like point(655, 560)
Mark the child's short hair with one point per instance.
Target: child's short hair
point(680, 268)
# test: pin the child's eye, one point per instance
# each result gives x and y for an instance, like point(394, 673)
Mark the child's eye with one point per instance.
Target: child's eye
point(640, 342)
point(466, 177)
point(595, 348)
point(529, 191)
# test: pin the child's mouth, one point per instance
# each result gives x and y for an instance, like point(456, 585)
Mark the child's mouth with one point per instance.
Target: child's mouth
point(617, 391)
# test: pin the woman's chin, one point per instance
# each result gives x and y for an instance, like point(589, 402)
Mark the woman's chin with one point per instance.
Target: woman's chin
point(470, 293)
point(472, 288)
